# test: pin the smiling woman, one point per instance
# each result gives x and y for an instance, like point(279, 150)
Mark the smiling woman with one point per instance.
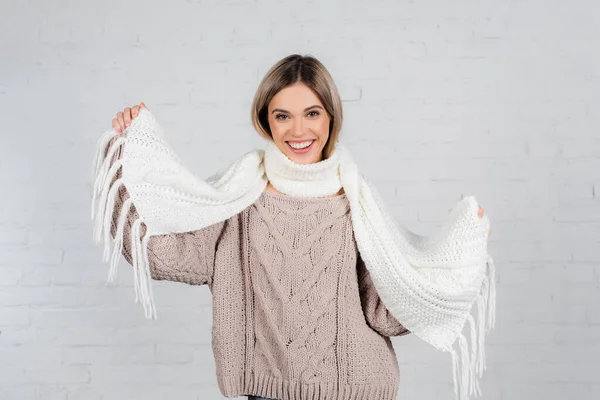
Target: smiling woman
point(307, 286)
point(297, 106)
point(297, 101)
point(299, 130)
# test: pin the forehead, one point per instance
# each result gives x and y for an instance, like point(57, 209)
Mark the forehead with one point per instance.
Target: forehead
point(295, 98)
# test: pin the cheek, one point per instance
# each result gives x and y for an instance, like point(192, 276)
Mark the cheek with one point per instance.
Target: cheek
point(276, 131)
point(278, 135)
point(323, 127)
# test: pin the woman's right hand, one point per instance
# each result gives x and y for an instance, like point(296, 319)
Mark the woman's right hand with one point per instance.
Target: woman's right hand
point(123, 119)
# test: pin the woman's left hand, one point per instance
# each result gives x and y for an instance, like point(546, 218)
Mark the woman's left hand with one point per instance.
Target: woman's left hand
point(480, 213)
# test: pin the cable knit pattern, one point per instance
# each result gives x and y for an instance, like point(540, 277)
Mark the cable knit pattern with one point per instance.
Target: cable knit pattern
point(295, 314)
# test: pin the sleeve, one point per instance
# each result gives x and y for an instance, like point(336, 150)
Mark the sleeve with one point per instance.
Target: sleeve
point(179, 257)
point(376, 314)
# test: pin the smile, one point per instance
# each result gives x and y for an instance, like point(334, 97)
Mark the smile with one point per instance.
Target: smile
point(299, 149)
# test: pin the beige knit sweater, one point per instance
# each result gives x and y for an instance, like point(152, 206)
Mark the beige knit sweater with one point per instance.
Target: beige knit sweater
point(295, 314)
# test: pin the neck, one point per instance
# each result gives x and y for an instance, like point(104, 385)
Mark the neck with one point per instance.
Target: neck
point(304, 180)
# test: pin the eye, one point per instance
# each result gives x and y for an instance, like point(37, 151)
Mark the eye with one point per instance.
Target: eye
point(315, 113)
point(280, 115)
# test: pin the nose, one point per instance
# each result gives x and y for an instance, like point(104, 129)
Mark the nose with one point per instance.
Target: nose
point(298, 127)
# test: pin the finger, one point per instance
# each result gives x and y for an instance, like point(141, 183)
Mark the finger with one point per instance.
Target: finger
point(127, 114)
point(121, 120)
point(135, 111)
point(480, 212)
point(115, 125)
point(142, 105)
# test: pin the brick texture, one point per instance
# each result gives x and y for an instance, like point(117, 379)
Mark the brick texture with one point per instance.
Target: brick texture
point(442, 100)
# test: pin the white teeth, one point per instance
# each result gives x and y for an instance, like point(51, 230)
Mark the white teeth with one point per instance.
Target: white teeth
point(301, 145)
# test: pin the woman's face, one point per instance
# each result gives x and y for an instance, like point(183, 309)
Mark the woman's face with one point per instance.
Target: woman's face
point(297, 116)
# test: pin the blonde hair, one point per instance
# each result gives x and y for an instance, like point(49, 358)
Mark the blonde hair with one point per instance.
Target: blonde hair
point(309, 71)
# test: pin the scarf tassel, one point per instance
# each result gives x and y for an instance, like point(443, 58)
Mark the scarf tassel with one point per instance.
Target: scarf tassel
point(105, 195)
point(468, 362)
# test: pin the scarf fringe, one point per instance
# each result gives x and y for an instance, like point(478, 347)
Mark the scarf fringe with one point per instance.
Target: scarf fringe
point(105, 195)
point(468, 365)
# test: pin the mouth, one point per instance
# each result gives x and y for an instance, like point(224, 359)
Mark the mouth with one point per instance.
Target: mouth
point(303, 150)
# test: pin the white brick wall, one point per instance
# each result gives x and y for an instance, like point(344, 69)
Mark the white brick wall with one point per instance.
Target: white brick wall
point(442, 99)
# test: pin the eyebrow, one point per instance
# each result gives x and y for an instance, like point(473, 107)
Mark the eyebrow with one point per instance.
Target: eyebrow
point(306, 109)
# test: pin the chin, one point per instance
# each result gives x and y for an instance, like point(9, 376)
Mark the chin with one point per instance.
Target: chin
point(310, 157)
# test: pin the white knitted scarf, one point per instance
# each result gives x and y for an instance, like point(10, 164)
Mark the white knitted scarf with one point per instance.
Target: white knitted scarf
point(430, 284)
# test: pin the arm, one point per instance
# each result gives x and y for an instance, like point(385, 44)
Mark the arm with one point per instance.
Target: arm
point(180, 257)
point(376, 314)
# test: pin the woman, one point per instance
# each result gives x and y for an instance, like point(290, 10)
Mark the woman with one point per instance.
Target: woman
point(295, 312)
